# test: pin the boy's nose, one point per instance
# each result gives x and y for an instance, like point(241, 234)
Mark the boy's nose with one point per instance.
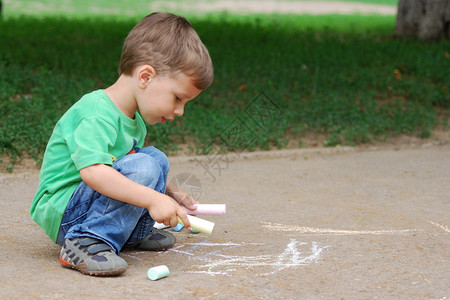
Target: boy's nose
point(179, 110)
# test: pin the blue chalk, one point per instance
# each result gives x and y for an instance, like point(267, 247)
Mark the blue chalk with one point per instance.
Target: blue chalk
point(194, 230)
point(178, 227)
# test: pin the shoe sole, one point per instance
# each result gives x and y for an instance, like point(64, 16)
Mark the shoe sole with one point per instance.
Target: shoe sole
point(84, 269)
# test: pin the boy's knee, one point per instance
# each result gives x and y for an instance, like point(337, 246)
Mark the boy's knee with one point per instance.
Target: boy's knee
point(159, 156)
point(140, 168)
point(163, 161)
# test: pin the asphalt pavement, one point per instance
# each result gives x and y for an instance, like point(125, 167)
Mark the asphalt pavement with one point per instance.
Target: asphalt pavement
point(340, 223)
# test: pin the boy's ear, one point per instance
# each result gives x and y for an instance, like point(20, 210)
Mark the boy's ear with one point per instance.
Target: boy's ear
point(145, 74)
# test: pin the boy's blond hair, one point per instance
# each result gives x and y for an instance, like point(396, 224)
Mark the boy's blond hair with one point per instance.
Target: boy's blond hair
point(170, 45)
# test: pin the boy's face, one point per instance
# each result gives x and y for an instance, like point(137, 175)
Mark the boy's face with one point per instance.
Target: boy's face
point(165, 97)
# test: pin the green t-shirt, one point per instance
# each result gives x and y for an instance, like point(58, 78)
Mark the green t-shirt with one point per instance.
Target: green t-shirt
point(92, 131)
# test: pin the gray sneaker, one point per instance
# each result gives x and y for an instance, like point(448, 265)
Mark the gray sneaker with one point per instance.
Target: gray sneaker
point(92, 257)
point(156, 240)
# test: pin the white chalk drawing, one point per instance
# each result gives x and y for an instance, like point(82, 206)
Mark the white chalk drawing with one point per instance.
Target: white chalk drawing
point(291, 257)
point(220, 258)
point(215, 259)
point(441, 226)
point(312, 230)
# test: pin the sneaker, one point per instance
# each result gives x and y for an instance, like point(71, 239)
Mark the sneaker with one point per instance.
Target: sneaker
point(156, 240)
point(92, 257)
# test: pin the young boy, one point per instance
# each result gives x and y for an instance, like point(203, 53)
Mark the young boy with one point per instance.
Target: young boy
point(99, 190)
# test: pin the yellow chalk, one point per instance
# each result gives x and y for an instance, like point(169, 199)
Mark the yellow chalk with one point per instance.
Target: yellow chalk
point(199, 224)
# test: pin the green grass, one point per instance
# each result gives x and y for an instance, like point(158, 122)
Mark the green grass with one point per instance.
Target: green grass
point(383, 2)
point(116, 8)
point(328, 75)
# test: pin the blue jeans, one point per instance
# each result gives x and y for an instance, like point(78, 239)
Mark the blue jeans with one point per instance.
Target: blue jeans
point(91, 214)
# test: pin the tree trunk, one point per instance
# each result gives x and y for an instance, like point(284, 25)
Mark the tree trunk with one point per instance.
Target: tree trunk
point(423, 19)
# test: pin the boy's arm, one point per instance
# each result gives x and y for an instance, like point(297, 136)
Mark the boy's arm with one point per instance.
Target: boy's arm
point(180, 196)
point(109, 182)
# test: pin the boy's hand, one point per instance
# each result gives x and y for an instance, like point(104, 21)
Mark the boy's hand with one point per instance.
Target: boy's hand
point(162, 208)
point(181, 196)
point(165, 210)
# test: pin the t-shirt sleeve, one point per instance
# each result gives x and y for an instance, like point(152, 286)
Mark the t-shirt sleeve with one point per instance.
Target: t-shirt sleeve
point(90, 142)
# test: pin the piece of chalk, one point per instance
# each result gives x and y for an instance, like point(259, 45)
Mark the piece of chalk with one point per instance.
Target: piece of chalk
point(199, 224)
point(208, 209)
point(178, 227)
point(160, 225)
point(158, 272)
point(194, 231)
